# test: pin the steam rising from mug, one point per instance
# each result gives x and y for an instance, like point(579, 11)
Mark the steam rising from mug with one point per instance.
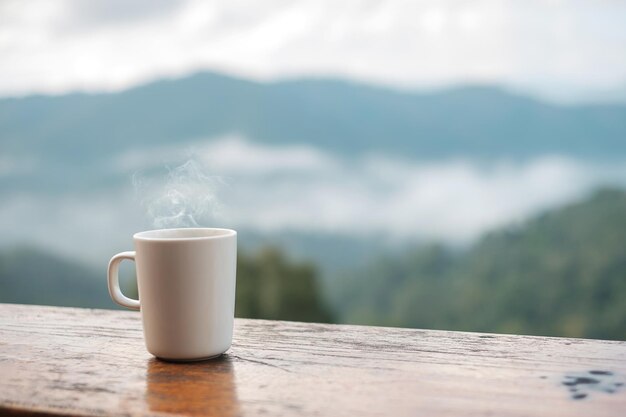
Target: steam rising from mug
point(185, 198)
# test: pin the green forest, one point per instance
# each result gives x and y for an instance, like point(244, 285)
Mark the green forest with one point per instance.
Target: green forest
point(562, 273)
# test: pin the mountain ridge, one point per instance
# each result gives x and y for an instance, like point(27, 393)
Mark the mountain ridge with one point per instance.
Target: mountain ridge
point(345, 117)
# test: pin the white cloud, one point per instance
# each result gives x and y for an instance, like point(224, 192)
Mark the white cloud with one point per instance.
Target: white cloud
point(302, 188)
point(453, 201)
point(89, 227)
point(272, 189)
point(555, 48)
point(234, 155)
point(228, 155)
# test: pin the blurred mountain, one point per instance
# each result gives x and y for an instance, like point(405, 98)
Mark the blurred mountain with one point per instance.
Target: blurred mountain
point(339, 116)
point(556, 274)
point(269, 285)
point(33, 276)
point(562, 273)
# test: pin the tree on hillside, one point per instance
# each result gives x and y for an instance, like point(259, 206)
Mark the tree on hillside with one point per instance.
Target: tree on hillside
point(270, 286)
point(562, 273)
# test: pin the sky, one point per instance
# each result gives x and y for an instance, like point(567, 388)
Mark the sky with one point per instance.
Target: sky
point(566, 51)
point(563, 50)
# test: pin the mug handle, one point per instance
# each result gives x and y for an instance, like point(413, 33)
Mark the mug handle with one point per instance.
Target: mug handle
point(114, 281)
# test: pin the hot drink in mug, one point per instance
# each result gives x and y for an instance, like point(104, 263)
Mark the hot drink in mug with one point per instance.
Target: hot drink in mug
point(186, 281)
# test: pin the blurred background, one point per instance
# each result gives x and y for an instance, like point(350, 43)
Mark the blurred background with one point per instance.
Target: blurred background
point(435, 164)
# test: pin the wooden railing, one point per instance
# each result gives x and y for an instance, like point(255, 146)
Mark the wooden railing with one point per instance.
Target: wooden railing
point(67, 361)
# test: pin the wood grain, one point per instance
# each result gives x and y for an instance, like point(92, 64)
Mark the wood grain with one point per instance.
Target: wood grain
point(66, 361)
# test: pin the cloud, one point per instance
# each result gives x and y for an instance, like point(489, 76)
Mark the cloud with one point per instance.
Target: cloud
point(275, 189)
point(272, 189)
point(231, 154)
point(87, 227)
point(95, 13)
point(553, 48)
point(454, 201)
point(235, 155)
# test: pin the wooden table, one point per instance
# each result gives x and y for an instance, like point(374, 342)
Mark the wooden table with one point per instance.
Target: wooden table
point(67, 361)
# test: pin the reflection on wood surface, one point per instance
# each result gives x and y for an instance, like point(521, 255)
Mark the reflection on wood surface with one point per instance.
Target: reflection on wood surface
point(194, 389)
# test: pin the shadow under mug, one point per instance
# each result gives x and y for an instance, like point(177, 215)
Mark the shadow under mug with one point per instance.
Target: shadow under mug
point(186, 282)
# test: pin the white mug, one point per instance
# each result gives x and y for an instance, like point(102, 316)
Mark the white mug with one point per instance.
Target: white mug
point(186, 281)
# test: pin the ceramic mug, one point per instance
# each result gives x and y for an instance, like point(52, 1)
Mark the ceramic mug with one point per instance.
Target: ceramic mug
point(186, 281)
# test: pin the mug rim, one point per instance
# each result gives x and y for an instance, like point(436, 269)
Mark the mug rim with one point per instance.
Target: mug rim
point(157, 234)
